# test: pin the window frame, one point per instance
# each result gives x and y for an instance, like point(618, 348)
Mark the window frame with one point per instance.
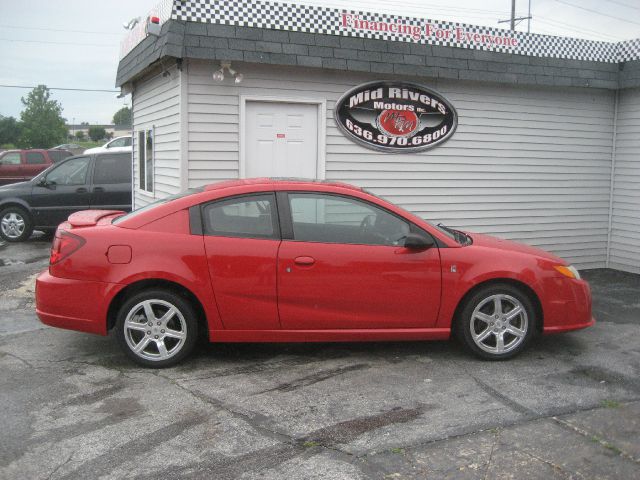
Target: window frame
point(142, 155)
point(203, 230)
point(286, 220)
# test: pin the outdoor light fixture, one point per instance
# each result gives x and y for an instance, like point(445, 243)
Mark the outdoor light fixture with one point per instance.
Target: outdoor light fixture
point(218, 75)
point(131, 23)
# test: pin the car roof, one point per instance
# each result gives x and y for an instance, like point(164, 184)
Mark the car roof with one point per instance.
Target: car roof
point(277, 181)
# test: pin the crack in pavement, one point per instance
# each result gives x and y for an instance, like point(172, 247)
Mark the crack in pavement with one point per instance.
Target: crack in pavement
point(496, 439)
point(597, 439)
point(553, 465)
point(314, 378)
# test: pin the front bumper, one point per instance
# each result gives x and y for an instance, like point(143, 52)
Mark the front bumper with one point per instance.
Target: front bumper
point(569, 307)
point(74, 304)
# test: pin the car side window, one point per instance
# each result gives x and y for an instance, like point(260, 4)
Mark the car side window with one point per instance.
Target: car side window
point(338, 219)
point(253, 216)
point(112, 169)
point(71, 172)
point(12, 158)
point(119, 142)
point(127, 142)
point(35, 158)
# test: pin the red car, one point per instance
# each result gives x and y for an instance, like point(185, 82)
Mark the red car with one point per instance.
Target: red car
point(298, 261)
point(21, 165)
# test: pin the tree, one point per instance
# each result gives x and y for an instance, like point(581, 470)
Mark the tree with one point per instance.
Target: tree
point(80, 135)
point(97, 133)
point(122, 117)
point(43, 125)
point(10, 130)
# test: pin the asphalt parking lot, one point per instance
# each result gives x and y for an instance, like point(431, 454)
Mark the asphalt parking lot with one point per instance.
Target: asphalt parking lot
point(74, 407)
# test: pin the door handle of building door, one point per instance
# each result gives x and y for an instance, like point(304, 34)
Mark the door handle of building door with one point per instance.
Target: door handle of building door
point(304, 261)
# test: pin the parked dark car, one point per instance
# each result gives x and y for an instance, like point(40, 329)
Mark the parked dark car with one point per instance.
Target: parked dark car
point(20, 165)
point(101, 181)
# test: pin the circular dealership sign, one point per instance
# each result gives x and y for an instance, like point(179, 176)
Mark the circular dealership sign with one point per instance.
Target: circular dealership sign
point(395, 116)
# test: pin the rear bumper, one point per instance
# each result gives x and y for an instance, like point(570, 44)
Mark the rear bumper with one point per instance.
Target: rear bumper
point(74, 304)
point(570, 307)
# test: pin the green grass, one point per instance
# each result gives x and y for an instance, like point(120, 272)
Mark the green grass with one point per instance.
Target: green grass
point(310, 443)
point(610, 404)
point(397, 450)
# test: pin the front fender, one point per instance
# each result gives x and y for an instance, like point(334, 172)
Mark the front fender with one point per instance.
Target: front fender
point(465, 268)
point(15, 201)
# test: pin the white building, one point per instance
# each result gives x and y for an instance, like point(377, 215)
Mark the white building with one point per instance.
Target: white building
point(547, 148)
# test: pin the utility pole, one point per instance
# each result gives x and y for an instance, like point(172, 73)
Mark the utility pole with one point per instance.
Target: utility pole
point(512, 21)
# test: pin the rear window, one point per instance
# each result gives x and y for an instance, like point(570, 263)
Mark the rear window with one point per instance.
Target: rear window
point(168, 199)
point(112, 169)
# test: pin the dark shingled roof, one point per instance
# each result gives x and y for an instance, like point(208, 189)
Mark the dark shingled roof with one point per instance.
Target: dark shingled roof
point(179, 39)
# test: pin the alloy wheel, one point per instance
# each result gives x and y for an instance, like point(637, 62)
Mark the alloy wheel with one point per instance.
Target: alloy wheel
point(155, 330)
point(13, 225)
point(499, 324)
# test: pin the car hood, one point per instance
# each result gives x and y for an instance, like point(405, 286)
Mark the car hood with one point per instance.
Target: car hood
point(488, 241)
point(16, 186)
point(95, 150)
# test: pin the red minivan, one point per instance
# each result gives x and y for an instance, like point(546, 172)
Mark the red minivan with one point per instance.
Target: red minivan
point(21, 165)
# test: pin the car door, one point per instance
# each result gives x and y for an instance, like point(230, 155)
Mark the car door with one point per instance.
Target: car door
point(344, 267)
point(62, 190)
point(10, 167)
point(111, 183)
point(241, 237)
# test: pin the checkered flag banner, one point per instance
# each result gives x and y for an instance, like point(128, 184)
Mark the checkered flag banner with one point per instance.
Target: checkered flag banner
point(329, 21)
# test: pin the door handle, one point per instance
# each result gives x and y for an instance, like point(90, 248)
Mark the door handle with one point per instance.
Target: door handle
point(98, 189)
point(81, 190)
point(304, 261)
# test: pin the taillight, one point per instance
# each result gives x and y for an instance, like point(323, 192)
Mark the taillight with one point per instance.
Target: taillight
point(64, 244)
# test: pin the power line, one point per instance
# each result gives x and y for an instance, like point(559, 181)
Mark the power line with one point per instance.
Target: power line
point(574, 28)
point(59, 30)
point(78, 44)
point(63, 88)
point(597, 12)
point(635, 7)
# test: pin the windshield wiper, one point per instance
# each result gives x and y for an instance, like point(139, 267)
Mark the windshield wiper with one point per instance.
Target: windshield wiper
point(459, 236)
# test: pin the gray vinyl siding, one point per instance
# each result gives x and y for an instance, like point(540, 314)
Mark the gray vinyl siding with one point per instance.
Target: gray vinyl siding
point(156, 103)
point(624, 253)
point(528, 164)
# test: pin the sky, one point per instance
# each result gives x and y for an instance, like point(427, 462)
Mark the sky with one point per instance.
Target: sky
point(75, 44)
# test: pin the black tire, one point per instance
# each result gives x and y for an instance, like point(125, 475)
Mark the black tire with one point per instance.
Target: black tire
point(16, 224)
point(134, 314)
point(477, 319)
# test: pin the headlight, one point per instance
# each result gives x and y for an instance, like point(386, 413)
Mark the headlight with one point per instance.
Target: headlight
point(568, 271)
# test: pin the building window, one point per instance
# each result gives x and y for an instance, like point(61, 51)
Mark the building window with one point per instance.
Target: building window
point(145, 159)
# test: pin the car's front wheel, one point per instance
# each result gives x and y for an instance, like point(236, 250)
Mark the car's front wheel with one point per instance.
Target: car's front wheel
point(497, 321)
point(15, 224)
point(157, 328)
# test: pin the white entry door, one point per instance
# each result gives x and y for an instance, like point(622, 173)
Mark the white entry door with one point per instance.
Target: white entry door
point(281, 139)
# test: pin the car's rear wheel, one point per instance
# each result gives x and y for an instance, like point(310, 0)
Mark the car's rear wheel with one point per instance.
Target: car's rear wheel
point(497, 321)
point(157, 328)
point(15, 224)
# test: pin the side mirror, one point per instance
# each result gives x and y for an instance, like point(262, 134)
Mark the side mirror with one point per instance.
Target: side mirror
point(415, 241)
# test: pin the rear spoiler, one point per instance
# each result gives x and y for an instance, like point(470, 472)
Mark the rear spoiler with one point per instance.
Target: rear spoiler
point(89, 218)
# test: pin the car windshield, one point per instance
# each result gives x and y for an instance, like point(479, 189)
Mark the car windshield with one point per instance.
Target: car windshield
point(191, 191)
